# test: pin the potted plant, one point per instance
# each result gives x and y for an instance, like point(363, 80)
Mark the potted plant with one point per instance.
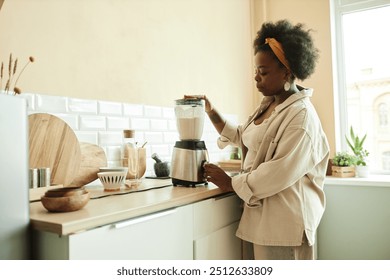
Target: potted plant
point(355, 143)
point(343, 165)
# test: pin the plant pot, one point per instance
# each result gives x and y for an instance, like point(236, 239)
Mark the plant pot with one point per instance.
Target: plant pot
point(343, 171)
point(362, 171)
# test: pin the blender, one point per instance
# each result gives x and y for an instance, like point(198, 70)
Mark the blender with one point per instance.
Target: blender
point(190, 153)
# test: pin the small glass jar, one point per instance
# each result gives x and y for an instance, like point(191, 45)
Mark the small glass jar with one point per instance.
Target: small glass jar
point(128, 142)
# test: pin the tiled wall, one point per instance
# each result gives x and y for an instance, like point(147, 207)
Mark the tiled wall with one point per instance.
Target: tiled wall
point(101, 122)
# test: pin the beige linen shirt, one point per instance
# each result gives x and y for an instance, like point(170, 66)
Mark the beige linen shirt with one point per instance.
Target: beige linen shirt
point(283, 190)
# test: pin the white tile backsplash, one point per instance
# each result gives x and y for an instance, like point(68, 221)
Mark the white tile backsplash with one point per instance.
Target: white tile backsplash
point(159, 124)
point(172, 126)
point(101, 122)
point(168, 113)
point(87, 136)
point(53, 104)
point(153, 112)
point(109, 108)
point(133, 110)
point(154, 137)
point(171, 137)
point(118, 123)
point(142, 124)
point(108, 138)
point(163, 151)
point(71, 120)
point(92, 122)
point(113, 153)
point(82, 106)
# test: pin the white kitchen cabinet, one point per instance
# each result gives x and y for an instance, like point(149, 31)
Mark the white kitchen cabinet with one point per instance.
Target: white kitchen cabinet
point(201, 230)
point(162, 235)
point(215, 225)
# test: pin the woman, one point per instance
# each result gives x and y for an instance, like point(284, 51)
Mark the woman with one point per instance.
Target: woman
point(284, 149)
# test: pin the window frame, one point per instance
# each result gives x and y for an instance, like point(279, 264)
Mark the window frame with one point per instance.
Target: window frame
point(338, 9)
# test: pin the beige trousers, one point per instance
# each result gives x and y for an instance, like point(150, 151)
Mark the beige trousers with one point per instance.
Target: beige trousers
point(303, 252)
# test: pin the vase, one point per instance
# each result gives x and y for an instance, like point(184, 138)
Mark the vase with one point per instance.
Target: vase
point(362, 171)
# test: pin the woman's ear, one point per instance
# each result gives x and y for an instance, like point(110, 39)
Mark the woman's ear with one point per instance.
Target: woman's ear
point(287, 75)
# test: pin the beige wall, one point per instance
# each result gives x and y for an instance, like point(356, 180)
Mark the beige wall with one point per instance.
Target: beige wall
point(137, 51)
point(154, 51)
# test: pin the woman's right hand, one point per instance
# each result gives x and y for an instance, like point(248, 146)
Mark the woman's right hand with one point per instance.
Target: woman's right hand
point(217, 119)
point(207, 106)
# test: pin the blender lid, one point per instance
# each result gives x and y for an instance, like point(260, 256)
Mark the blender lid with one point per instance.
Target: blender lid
point(190, 101)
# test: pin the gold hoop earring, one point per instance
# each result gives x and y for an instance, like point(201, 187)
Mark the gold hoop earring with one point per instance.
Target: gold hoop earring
point(287, 86)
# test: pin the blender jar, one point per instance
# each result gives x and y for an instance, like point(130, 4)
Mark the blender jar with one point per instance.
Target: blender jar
point(190, 118)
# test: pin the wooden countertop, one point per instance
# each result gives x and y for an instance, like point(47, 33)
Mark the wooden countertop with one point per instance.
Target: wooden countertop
point(155, 195)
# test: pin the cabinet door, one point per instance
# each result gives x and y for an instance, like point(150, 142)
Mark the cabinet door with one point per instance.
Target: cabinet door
point(215, 225)
point(215, 213)
point(162, 235)
point(219, 245)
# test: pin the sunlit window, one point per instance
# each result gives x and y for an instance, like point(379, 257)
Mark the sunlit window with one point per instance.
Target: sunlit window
point(363, 45)
point(383, 115)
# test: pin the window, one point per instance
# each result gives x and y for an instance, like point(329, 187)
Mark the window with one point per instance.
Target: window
point(363, 76)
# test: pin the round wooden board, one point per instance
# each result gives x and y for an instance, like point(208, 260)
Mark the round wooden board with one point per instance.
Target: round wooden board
point(92, 158)
point(53, 143)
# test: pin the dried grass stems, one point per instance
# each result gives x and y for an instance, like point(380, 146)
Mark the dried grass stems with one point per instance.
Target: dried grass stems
point(12, 69)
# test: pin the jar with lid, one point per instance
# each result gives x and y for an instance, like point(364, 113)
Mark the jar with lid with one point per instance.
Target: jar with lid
point(128, 145)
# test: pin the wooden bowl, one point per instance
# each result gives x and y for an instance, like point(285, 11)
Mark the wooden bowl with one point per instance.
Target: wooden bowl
point(66, 191)
point(65, 203)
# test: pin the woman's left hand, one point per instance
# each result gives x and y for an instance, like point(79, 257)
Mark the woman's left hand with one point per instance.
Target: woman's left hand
point(217, 176)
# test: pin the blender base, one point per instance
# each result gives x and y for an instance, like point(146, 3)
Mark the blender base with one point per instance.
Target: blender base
point(178, 182)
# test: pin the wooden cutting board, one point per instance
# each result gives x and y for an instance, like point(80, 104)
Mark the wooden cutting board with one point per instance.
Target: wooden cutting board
point(92, 158)
point(53, 144)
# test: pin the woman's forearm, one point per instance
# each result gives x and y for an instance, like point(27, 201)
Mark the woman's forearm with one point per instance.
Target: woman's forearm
point(217, 119)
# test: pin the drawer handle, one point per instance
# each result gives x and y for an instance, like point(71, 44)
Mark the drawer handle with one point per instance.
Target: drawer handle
point(143, 219)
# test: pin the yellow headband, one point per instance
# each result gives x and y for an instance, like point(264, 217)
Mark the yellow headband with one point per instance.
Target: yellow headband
point(277, 48)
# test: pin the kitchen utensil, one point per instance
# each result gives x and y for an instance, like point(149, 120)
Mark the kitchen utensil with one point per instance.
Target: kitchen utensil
point(188, 158)
point(161, 169)
point(33, 178)
point(65, 203)
point(141, 154)
point(67, 191)
point(53, 144)
point(112, 181)
point(189, 118)
point(190, 153)
point(44, 177)
point(113, 169)
point(92, 158)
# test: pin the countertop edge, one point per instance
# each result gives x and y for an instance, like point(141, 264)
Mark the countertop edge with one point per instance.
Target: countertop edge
point(89, 218)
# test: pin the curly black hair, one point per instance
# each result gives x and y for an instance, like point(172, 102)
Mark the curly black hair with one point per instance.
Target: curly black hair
point(297, 44)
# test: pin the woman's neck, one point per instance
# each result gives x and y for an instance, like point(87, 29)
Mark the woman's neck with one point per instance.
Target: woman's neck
point(280, 98)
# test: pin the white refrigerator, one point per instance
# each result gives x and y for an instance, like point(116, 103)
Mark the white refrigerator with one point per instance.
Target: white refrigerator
point(14, 189)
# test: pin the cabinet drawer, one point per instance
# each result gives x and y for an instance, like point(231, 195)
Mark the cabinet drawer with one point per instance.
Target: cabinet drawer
point(213, 214)
point(219, 245)
point(162, 235)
